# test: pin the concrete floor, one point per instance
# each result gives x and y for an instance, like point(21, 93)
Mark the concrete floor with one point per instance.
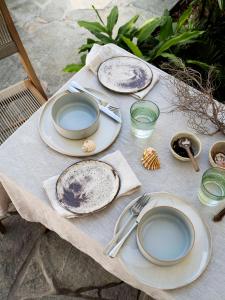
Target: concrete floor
point(36, 264)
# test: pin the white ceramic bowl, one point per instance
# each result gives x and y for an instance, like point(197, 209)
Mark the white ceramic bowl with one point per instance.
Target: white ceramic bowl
point(75, 116)
point(218, 147)
point(165, 235)
point(195, 142)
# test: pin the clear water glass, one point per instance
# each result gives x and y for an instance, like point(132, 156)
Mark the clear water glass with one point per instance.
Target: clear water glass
point(144, 115)
point(212, 190)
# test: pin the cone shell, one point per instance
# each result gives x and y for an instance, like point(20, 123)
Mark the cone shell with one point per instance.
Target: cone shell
point(150, 159)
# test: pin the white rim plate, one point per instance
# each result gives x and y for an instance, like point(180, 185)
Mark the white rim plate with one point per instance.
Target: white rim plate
point(103, 137)
point(125, 74)
point(168, 277)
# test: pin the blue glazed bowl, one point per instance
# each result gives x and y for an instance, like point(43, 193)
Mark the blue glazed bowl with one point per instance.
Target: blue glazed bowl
point(165, 235)
point(75, 116)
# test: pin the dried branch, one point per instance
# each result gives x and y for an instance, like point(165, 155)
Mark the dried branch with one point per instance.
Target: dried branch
point(194, 98)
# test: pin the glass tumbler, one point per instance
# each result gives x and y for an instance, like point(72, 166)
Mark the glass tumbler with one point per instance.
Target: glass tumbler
point(144, 114)
point(212, 189)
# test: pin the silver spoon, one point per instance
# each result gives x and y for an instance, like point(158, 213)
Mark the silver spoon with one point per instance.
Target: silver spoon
point(185, 143)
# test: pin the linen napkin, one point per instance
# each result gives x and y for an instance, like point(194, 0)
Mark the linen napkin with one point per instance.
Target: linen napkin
point(98, 54)
point(129, 181)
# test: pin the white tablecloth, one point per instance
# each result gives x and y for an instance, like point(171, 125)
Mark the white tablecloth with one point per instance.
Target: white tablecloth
point(26, 161)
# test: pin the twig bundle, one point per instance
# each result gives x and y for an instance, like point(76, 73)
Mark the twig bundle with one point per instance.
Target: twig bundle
point(194, 97)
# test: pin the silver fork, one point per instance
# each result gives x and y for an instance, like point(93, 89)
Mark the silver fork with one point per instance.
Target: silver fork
point(80, 88)
point(135, 210)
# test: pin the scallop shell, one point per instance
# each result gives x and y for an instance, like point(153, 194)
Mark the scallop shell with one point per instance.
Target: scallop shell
point(150, 159)
point(88, 146)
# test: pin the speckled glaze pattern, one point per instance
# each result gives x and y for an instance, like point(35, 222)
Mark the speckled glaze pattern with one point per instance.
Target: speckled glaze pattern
point(125, 74)
point(87, 186)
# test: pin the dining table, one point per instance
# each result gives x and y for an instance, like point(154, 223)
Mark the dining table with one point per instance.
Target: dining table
point(26, 162)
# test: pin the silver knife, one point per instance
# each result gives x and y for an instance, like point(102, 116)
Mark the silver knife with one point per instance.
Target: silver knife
point(102, 108)
point(109, 113)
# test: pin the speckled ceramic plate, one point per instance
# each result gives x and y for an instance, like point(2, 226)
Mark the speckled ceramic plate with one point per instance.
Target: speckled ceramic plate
point(124, 74)
point(87, 186)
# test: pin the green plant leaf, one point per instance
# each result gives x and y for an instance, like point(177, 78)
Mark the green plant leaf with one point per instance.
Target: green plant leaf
point(89, 44)
point(72, 68)
point(103, 39)
point(124, 29)
point(83, 59)
point(221, 4)
point(184, 17)
point(166, 13)
point(177, 61)
point(183, 38)
point(200, 64)
point(148, 27)
point(93, 27)
point(97, 13)
point(134, 48)
point(112, 19)
point(86, 47)
point(166, 29)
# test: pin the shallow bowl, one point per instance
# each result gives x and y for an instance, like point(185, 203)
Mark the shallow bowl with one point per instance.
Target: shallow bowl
point(165, 235)
point(218, 147)
point(75, 116)
point(195, 142)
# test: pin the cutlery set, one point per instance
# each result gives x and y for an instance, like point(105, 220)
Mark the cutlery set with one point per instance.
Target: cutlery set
point(117, 242)
point(105, 107)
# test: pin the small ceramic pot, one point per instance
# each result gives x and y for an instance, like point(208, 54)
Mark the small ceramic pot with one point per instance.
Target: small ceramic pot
point(218, 147)
point(165, 235)
point(75, 116)
point(195, 143)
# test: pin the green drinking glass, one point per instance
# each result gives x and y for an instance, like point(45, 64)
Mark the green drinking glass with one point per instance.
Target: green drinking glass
point(144, 114)
point(212, 190)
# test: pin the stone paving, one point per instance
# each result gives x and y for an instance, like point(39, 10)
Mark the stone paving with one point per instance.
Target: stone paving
point(34, 262)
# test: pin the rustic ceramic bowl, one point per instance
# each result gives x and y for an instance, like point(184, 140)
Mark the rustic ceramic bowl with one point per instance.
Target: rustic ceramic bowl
point(75, 116)
point(165, 235)
point(218, 147)
point(195, 142)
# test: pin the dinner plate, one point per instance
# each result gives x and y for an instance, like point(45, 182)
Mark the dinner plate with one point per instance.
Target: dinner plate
point(125, 74)
point(87, 186)
point(168, 277)
point(105, 135)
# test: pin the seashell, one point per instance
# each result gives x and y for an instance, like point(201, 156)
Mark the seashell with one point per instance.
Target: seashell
point(150, 159)
point(220, 160)
point(88, 146)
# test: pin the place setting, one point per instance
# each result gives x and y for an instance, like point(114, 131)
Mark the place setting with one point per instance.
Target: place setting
point(171, 246)
point(80, 123)
point(89, 186)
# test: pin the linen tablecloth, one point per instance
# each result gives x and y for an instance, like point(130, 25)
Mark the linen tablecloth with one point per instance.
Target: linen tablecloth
point(26, 161)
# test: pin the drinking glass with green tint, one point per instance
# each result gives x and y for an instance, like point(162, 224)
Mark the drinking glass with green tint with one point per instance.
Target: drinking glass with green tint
point(212, 190)
point(144, 115)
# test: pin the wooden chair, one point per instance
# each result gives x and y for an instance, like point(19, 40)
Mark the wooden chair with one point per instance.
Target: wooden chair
point(20, 101)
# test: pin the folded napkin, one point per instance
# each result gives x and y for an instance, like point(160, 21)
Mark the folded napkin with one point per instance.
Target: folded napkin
point(129, 181)
point(98, 54)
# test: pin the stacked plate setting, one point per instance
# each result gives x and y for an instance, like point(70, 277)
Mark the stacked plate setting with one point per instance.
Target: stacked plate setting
point(172, 245)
